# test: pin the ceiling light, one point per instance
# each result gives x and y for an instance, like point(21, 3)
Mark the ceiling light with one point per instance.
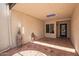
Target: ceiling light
point(50, 15)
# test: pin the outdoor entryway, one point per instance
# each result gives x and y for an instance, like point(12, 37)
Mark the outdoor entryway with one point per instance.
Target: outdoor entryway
point(63, 29)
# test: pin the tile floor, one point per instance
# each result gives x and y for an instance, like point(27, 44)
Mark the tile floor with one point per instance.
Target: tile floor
point(48, 46)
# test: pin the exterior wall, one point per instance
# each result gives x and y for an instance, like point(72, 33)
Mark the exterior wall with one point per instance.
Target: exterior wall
point(75, 29)
point(4, 27)
point(68, 28)
point(28, 25)
point(54, 22)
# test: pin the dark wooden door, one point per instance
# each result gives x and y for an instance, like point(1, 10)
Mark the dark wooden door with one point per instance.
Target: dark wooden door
point(63, 30)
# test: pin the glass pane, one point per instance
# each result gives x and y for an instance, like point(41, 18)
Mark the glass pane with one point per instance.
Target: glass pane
point(51, 28)
point(47, 28)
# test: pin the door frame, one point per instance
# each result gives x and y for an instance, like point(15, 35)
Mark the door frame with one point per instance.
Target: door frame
point(68, 28)
point(63, 36)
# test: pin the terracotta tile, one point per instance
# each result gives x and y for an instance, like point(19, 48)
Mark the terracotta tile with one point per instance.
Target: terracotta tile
point(44, 49)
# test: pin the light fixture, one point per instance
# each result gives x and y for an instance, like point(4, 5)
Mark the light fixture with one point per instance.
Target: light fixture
point(50, 15)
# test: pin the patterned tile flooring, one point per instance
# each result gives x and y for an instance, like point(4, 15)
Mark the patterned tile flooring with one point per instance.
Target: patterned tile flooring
point(48, 46)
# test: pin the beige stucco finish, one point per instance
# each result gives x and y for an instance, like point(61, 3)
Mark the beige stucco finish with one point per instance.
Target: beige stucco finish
point(53, 21)
point(41, 10)
point(75, 28)
point(28, 25)
point(4, 27)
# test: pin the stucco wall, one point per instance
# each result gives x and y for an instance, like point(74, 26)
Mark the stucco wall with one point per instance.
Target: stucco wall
point(53, 35)
point(68, 28)
point(75, 28)
point(28, 25)
point(4, 27)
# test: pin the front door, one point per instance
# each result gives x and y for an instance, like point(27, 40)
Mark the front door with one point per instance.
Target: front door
point(63, 30)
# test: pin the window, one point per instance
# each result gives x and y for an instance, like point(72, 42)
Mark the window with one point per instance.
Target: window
point(49, 28)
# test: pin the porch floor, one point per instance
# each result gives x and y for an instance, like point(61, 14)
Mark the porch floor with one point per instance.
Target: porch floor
point(48, 46)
